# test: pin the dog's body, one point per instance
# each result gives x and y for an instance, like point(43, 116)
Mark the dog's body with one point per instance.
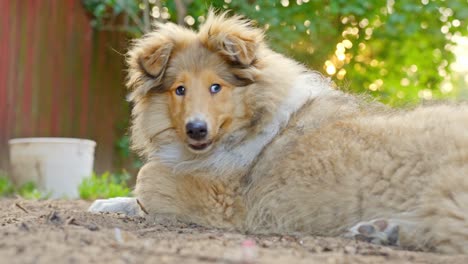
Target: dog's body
point(284, 151)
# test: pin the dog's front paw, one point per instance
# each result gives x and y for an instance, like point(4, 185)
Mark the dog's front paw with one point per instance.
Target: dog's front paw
point(381, 232)
point(123, 205)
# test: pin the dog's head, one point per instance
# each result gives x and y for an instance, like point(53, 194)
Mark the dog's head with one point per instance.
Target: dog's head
point(193, 83)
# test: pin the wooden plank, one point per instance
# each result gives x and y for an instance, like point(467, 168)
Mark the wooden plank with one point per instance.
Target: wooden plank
point(37, 65)
point(56, 94)
point(27, 46)
point(4, 58)
point(47, 71)
point(58, 76)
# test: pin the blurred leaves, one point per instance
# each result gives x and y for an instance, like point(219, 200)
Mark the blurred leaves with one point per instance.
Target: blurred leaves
point(400, 51)
point(125, 153)
point(30, 191)
point(6, 186)
point(106, 185)
point(27, 191)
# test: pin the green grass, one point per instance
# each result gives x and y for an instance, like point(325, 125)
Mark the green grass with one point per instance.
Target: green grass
point(30, 191)
point(96, 186)
point(106, 185)
point(27, 190)
point(6, 186)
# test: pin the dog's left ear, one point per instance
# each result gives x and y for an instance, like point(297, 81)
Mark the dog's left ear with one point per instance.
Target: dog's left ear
point(149, 57)
point(147, 61)
point(234, 38)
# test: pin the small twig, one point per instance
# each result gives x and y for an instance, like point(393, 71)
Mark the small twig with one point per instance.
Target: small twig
point(22, 208)
point(141, 206)
point(71, 221)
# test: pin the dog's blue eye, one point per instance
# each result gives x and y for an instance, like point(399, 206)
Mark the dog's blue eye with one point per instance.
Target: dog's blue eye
point(215, 88)
point(180, 90)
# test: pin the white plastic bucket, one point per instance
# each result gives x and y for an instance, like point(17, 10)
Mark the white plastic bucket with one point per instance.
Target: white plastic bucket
point(56, 165)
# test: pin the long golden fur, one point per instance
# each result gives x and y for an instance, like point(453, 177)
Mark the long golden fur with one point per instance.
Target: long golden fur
point(285, 152)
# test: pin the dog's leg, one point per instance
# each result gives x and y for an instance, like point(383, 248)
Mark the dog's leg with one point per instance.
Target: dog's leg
point(123, 205)
point(379, 231)
point(191, 198)
point(440, 233)
point(439, 223)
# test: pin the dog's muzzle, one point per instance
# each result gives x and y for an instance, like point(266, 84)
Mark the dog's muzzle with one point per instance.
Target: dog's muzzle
point(196, 130)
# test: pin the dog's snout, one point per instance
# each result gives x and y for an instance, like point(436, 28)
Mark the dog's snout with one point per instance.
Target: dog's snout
point(196, 129)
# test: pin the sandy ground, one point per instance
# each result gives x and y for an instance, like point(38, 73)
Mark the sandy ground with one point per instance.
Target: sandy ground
point(63, 232)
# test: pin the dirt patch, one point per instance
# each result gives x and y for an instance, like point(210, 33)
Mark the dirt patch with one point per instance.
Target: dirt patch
point(63, 232)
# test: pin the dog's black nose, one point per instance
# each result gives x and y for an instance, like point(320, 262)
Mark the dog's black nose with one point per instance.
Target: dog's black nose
point(196, 129)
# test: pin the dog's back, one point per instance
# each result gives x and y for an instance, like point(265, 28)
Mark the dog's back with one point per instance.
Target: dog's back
point(410, 167)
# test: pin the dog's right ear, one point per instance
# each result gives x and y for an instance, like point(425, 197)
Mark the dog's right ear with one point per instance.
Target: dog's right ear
point(147, 61)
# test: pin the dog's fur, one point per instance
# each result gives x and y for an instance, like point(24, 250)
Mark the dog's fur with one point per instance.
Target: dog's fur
point(289, 153)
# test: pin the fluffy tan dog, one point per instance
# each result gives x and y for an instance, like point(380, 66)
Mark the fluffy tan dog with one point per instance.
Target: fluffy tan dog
point(238, 136)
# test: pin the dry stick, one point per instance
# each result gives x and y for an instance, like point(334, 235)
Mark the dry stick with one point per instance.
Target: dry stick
point(181, 11)
point(141, 206)
point(22, 208)
point(146, 16)
point(71, 221)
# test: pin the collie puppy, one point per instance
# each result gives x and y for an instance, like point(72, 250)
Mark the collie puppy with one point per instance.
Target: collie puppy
point(237, 136)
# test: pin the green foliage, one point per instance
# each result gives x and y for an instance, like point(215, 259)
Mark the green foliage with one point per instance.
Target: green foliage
point(400, 53)
point(397, 51)
point(27, 190)
point(106, 185)
point(110, 12)
point(125, 153)
point(30, 191)
point(6, 187)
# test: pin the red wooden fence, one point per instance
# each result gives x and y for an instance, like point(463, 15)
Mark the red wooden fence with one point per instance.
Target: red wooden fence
point(59, 77)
